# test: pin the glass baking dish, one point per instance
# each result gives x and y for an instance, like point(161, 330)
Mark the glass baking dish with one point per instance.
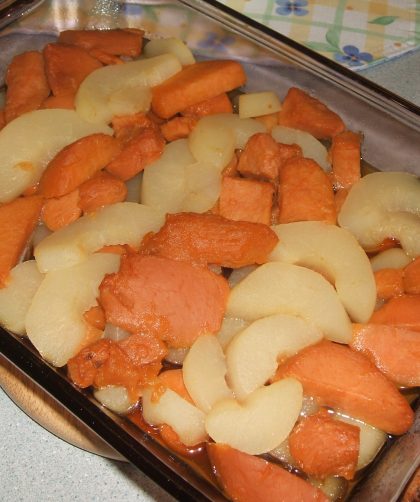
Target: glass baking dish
point(391, 128)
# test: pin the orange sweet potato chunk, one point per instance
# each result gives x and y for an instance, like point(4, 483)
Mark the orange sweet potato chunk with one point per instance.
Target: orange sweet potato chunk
point(18, 220)
point(143, 149)
point(305, 193)
point(178, 127)
point(126, 127)
point(323, 446)
point(66, 67)
point(60, 212)
point(389, 283)
point(345, 159)
point(346, 380)
point(211, 106)
point(211, 239)
point(101, 190)
point(246, 200)
point(403, 310)
point(76, 163)
point(196, 83)
point(173, 300)
point(118, 42)
point(394, 350)
point(261, 157)
point(302, 111)
point(411, 277)
point(25, 68)
point(64, 102)
point(246, 478)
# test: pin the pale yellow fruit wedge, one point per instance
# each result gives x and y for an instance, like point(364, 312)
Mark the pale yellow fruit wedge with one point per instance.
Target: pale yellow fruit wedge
point(255, 104)
point(282, 288)
point(371, 440)
point(115, 398)
point(16, 297)
point(100, 92)
point(335, 253)
point(121, 223)
point(253, 354)
point(230, 326)
point(390, 258)
point(171, 409)
point(170, 45)
point(215, 137)
point(259, 423)
point(54, 321)
point(30, 141)
point(381, 205)
point(204, 372)
point(311, 147)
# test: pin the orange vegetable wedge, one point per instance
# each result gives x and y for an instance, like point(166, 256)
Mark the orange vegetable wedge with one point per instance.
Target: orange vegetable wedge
point(95, 316)
point(345, 159)
point(66, 67)
point(304, 112)
point(261, 157)
point(411, 277)
point(178, 127)
point(246, 200)
point(18, 220)
point(389, 282)
point(125, 42)
point(196, 83)
point(21, 97)
point(346, 380)
point(394, 350)
point(173, 300)
point(305, 193)
point(403, 310)
point(126, 127)
point(59, 212)
point(323, 446)
point(101, 190)
point(211, 239)
point(246, 478)
point(77, 163)
point(216, 104)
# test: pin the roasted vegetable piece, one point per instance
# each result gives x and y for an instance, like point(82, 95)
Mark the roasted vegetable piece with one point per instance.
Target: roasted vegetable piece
point(394, 350)
point(246, 478)
point(345, 159)
point(261, 157)
point(209, 238)
point(323, 446)
point(347, 381)
point(21, 97)
point(217, 104)
point(125, 42)
point(196, 83)
point(18, 220)
point(302, 111)
point(305, 192)
point(389, 283)
point(403, 310)
point(173, 300)
point(60, 212)
point(101, 190)
point(411, 277)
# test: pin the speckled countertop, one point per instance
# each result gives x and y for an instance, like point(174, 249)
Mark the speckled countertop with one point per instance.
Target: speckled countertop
point(36, 466)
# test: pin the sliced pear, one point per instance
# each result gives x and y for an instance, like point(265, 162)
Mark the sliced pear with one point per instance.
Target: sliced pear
point(390, 258)
point(100, 92)
point(115, 398)
point(230, 326)
point(204, 372)
point(371, 440)
point(16, 297)
point(164, 182)
point(311, 147)
point(203, 187)
point(121, 223)
point(282, 288)
point(215, 137)
point(30, 141)
point(253, 354)
point(54, 322)
point(381, 205)
point(261, 422)
point(171, 409)
point(255, 104)
point(169, 45)
point(335, 253)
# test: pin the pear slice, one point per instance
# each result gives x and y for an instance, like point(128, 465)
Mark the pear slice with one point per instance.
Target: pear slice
point(171, 409)
point(204, 373)
point(100, 94)
point(121, 223)
point(390, 258)
point(214, 139)
point(16, 297)
point(115, 398)
point(30, 141)
point(255, 104)
point(170, 45)
point(381, 205)
point(311, 147)
point(253, 354)
point(54, 321)
point(259, 423)
point(335, 253)
point(282, 288)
